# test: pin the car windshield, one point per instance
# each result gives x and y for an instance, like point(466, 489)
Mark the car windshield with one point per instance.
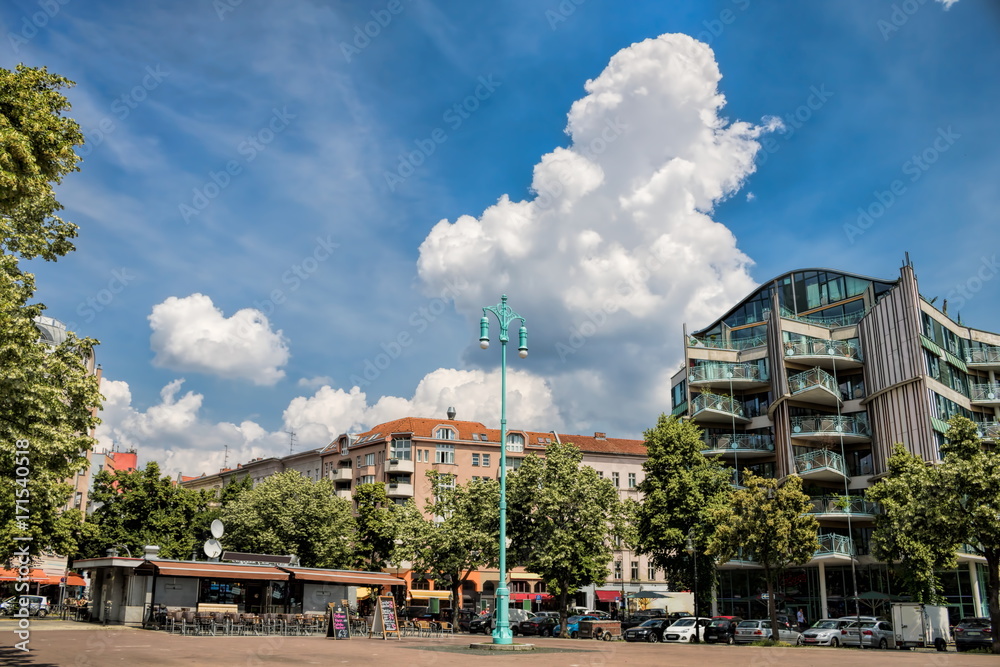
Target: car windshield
point(574, 619)
point(975, 623)
point(719, 623)
point(747, 624)
point(868, 625)
point(684, 622)
point(825, 625)
point(651, 623)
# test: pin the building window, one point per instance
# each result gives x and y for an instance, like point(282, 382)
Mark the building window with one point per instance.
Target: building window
point(366, 479)
point(618, 569)
point(600, 474)
point(445, 454)
point(631, 480)
point(635, 570)
point(486, 460)
point(615, 480)
point(400, 449)
point(370, 459)
point(475, 460)
point(445, 434)
point(520, 587)
point(515, 442)
point(651, 572)
point(420, 585)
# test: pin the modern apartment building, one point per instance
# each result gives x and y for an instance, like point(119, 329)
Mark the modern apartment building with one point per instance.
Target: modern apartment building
point(818, 373)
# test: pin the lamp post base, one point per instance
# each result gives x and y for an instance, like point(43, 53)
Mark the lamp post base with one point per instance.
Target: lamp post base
point(486, 646)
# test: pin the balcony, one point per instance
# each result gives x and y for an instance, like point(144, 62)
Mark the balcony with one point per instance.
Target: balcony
point(983, 358)
point(840, 354)
point(342, 474)
point(985, 394)
point(399, 465)
point(739, 562)
point(815, 386)
point(828, 321)
point(831, 428)
point(989, 431)
point(718, 409)
point(725, 376)
point(720, 344)
point(842, 508)
point(970, 554)
point(821, 465)
point(399, 490)
point(738, 445)
point(344, 493)
point(833, 548)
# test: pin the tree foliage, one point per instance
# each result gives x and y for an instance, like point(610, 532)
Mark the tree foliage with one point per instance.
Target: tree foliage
point(680, 489)
point(561, 519)
point(769, 523)
point(378, 524)
point(462, 535)
point(47, 395)
point(140, 507)
point(288, 513)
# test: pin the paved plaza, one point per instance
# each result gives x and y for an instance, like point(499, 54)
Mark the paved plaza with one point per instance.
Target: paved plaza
point(66, 644)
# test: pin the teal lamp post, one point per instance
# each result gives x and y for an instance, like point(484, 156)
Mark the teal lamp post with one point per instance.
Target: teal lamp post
point(502, 633)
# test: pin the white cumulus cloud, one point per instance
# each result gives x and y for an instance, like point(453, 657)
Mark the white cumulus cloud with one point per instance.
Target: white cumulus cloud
point(191, 334)
point(616, 248)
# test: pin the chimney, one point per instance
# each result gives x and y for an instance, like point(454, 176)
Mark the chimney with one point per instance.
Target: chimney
point(151, 552)
point(451, 413)
point(600, 436)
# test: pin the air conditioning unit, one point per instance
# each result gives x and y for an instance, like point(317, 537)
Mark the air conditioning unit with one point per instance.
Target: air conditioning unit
point(991, 395)
point(789, 351)
point(797, 429)
point(831, 351)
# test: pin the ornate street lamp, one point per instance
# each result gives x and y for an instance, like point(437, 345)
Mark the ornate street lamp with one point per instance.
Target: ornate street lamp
point(502, 633)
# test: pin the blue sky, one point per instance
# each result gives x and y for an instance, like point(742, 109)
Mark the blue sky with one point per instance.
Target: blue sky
point(271, 202)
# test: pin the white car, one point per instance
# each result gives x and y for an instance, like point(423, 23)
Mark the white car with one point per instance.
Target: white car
point(685, 629)
point(825, 632)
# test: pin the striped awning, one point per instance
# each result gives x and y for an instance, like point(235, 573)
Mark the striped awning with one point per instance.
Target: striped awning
point(931, 345)
point(430, 595)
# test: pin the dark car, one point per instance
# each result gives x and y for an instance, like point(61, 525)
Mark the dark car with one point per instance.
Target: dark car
point(721, 630)
point(640, 617)
point(465, 617)
point(539, 625)
point(973, 632)
point(649, 631)
point(477, 624)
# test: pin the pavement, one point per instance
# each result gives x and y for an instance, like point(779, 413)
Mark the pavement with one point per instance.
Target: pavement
point(55, 643)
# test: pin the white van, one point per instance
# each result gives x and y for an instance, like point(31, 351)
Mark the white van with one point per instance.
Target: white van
point(514, 617)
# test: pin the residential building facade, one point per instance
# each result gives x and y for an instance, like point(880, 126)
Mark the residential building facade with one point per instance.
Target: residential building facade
point(818, 373)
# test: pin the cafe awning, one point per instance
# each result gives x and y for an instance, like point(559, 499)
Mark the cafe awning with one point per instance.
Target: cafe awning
point(212, 570)
point(37, 575)
point(430, 595)
point(344, 577)
point(608, 596)
point(75, 580)
point(518, 597)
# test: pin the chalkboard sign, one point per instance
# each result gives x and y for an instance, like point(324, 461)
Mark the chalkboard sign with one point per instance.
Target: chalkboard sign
point(338, 623)
point(384, 622)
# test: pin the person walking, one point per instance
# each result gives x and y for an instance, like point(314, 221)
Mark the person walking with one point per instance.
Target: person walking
point(801, 618)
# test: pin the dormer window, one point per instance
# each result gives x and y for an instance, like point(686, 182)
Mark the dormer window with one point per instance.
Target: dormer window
point(444, 434)
point(515, 442)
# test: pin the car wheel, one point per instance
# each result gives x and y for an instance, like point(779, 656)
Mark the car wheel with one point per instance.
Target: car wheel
point(574, 635)
point(651, 638)
point(42, 613)
point(730, 640)
point(607, 636)
point(883, 644)
point(513, 631)
point(799, 641)
point(692, 639)
point(940, 644)
point(834, 643)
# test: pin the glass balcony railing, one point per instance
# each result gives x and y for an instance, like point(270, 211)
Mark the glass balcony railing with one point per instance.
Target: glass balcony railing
point(739, 442)
point(983, 356)
point(818, 347)
point(717, 403)
point(989, 431)
point(849, 425)
point(829, 321)
point(736, 372)
point(984, 393)
point(834, 545)
point(735, 344)
point(811, 379)
point(845, 505)
point(819, 460)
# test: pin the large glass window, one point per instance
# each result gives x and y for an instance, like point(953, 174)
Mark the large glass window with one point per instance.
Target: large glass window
point(515, 442)
point(678, 394)
point(400, 449)
point(444, 454)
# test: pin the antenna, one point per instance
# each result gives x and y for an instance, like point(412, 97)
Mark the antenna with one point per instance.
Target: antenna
point(225, 461)
point(291, 441)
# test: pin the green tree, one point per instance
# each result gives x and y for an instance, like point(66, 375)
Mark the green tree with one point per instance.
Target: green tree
point(378, 525)
point(561, 518)
point(914, 528)
point(48, 397)
point(215, 502)
point(288, 513)
point(140, 507)
point(680, 489)
point(463, 534)
point(769, 523)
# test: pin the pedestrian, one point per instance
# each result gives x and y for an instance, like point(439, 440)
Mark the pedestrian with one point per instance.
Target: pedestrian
point(801, 618)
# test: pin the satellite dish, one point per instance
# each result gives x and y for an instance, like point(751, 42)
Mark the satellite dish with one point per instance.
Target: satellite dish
point(212, 548)
point(217, 529)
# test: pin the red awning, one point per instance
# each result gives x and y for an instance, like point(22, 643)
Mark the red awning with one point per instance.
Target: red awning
point(208, 570)
point(75, 580)
point(37, 576)
point(608, 596)
point(518, 597)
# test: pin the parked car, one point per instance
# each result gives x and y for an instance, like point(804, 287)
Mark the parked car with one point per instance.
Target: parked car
point(465, 617)
point(868, 634)
point(649, 631)
point(688, 629)
point(572, 625)
point(38, 605)
point(758, 629)
point(825, 632)
point(721, 630)
point(641, 616)
point(539, 625)
point(603, 615)
point(486, 624)
point(973, 632)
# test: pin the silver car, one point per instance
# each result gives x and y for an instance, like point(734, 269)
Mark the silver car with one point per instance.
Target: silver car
point(825, 632)
point(759, 629)
point(869, 634)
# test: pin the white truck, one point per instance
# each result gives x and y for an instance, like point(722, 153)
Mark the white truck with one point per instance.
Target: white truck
point(918, 625)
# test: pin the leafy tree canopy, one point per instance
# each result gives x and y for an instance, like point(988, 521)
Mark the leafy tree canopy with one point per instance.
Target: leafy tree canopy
point(288, 513)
